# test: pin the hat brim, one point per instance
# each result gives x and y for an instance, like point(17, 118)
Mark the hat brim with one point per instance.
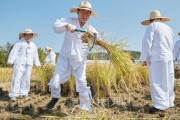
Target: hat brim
point(74, 10)
point(179, 33)
point(147, 22)
point(22, 34)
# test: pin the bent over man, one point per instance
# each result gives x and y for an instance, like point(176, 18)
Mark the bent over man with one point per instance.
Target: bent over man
point(51, 56)
point(176, 52)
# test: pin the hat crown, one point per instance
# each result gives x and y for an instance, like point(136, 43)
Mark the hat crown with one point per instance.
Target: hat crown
point(155, 14)
point(28, 31)
point(85, 4)
point(48, 48)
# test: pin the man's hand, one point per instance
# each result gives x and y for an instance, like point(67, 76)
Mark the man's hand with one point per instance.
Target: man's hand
point(70, 27)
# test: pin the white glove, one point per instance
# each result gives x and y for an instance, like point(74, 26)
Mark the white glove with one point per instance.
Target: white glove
point(71, 27)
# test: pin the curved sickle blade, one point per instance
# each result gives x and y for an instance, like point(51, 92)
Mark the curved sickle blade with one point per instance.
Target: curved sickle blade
point(94, 41)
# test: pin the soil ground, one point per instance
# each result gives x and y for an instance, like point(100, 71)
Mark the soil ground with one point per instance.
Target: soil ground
point(133, 105)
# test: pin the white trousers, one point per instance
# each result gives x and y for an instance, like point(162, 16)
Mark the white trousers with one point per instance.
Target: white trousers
point(20, 84)
point(64, 68)
point(161, 76)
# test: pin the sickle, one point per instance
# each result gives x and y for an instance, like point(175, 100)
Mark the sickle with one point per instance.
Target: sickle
point(94, 38)
point(94, 41)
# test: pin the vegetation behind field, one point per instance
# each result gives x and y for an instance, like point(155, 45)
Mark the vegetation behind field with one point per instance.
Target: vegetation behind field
point(4, 51)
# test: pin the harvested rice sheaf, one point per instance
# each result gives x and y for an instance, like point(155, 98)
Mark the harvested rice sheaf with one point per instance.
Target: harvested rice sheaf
point(120, 59)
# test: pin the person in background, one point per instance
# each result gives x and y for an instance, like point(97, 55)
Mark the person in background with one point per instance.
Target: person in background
point(72, 56)
point(51, 56)
point(176, 53)
point(22, 56)
point(156, 53)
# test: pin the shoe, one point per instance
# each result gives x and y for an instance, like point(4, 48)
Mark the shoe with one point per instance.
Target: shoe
point(154, 110)
point(52, 103)
point(13, 99)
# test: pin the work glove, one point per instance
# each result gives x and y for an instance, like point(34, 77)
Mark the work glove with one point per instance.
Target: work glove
point(71, 27)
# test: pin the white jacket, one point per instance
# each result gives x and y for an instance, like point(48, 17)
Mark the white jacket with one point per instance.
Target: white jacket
point(157, 44)
point(51, 58)
point(24, 53)
point(72, 46)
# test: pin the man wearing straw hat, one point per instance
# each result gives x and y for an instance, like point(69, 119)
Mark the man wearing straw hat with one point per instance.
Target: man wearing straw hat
point(72, 56)
point(156, 52)
point(51, 56)
point(176, 52)
point(23, 55)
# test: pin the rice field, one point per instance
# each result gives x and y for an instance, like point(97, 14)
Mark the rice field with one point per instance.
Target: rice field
point(112, 99)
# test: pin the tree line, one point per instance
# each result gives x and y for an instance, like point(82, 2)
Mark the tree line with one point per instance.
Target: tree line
point(4, 52)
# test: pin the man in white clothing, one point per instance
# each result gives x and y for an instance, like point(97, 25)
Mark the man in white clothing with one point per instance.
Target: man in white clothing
point(176, 52)
point(23, 55)
point(51, 56)
point(72, 57)
point(156, 52)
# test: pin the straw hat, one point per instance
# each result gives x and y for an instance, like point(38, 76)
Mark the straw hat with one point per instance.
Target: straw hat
point(154, 15)
point(27, 31)
point(84, 5)
point(47, 48)
point(179, 33)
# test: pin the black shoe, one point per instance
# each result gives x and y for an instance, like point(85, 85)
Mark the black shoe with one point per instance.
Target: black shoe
point(52, 103)
point(154, 110)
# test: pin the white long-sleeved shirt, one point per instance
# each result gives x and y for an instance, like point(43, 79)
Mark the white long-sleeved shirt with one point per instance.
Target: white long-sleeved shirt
point(157, 44)
point(50, 59)
point(72, 46)
point(24, 53)
point(176, 51)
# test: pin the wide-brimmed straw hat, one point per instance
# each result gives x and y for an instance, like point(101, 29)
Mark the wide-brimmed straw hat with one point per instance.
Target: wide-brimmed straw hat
point(154, 15)
point(47, 48)
point(27, 31)
point(179, 33)
point(84, 5)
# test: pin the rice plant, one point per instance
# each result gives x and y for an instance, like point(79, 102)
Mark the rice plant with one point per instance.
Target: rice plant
point(102, 78)
point(69, 88)
point(126, 74)
point(5, 74)
point(45, 73)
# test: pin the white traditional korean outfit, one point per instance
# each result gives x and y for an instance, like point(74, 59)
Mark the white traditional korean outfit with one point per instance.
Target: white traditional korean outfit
point(72, 60)
point(176, 52)
point(22, 55)
point(50, 59)
point(157, 47)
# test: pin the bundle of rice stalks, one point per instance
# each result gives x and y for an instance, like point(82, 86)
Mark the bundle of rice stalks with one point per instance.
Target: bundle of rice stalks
point(102, 78)
point(45, 73)
point(120, 59)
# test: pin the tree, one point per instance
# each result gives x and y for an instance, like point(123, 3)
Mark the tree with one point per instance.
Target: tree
point(4, 52)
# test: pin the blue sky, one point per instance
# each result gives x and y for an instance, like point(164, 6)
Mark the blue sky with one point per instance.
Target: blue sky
point(118, 19)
